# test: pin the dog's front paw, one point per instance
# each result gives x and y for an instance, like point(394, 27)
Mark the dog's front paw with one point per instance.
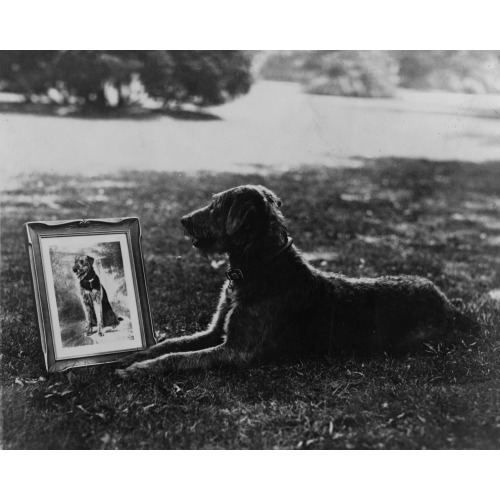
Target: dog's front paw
point(124, 363)
point(132, 358)
point(132, 372)
point(123, 373)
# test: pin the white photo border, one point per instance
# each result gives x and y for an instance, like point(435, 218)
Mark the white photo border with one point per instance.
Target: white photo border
point(61, 352)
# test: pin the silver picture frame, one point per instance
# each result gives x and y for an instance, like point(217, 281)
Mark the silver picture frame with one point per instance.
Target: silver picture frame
point(90, 290)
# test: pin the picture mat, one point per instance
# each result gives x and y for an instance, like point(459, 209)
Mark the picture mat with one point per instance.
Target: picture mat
point(73, 244)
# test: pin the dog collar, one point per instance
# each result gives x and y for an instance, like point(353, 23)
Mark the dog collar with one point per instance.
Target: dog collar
point(89, 281)
point(235, 274)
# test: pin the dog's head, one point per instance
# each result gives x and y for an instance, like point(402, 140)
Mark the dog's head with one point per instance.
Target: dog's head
point(237, 220)
point(83, 265)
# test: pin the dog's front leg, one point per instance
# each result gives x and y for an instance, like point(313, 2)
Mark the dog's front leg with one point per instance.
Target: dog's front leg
point(97, 303)
point(196, 342)
point(244, 335)
point(207, 358)
point(87, 307)
point(212, 337)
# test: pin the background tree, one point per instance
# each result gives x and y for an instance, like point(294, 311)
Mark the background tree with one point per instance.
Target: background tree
point(355, 73)
point(27, 71)
point(471, 71)
point(370, 73)
point(204, 77)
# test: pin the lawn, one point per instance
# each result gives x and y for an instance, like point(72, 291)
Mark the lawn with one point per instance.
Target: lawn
point(435, 219)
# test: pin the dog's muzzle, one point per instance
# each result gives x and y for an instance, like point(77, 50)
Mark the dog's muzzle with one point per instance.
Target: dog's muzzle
point(197, 241)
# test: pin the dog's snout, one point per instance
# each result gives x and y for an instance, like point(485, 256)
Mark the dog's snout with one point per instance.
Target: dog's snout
point(74, 269)
point(184, 220)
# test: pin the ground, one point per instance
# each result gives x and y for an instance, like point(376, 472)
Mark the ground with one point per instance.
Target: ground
point(74, 333)
point(391, 216)
point(275, 126)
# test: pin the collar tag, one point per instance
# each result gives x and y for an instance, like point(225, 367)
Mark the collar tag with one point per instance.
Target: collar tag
point(234, 274)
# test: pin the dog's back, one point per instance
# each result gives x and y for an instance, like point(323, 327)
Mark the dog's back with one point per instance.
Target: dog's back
point(314, 311)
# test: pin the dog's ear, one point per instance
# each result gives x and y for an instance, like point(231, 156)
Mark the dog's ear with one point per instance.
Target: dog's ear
point(270, 197)
point(240, 215)
point(90, 259)
point(273, 199)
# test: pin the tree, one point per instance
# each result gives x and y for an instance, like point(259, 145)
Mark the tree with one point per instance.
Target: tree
point(27, 71)
point(356, 73)
point(204, 77)
point(84, 73)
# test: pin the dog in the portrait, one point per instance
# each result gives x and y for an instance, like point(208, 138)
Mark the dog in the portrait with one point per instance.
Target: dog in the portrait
point(98, 310)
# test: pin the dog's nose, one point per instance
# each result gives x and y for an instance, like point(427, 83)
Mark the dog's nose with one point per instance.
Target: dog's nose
point(184, 220)
point(74, 269)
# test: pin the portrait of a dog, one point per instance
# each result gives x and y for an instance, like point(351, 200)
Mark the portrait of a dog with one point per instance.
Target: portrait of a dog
point(98, 310)
point(91, 292)
point(274, 303)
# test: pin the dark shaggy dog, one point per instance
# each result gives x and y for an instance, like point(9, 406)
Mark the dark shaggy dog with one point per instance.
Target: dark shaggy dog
point(98, 310)
point(275, 303)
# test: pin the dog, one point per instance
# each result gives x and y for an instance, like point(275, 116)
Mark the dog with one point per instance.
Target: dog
point(98, 310)
point(274, 303)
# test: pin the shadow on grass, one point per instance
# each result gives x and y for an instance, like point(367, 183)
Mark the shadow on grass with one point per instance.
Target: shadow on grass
point(128, 113)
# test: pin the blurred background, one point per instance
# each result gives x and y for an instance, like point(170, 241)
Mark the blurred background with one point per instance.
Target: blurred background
point(97, 112)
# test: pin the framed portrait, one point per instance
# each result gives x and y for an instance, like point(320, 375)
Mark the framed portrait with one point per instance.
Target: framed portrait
point(90, 290)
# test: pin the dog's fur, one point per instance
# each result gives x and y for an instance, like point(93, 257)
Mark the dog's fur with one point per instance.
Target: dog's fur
point(281, 305)
point(98, 310)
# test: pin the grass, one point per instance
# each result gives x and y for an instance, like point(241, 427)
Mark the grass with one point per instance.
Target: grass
point(439, 220)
